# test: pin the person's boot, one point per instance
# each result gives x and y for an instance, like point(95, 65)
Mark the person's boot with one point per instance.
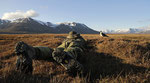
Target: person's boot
point(71, 65)
point(24, 62)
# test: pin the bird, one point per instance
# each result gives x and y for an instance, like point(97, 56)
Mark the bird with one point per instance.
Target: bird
point(102, 34)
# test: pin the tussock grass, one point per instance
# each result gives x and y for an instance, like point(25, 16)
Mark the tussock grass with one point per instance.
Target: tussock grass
point(120, 58)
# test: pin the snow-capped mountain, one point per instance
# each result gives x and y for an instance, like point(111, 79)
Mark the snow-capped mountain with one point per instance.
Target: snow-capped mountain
point(145, 29)
point(26, 25)
point(29, 25)
point(126, 31)
point(3, 23)
point(69, 26)
point(26, 20)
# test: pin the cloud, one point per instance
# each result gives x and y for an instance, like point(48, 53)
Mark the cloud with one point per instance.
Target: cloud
point(19, 14)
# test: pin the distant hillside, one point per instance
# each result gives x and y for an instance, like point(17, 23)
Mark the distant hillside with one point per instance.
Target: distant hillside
point(140, 30)
point(29, 25)
point(4, 23)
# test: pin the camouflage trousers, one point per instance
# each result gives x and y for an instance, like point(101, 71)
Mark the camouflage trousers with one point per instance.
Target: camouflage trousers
point(66, 57)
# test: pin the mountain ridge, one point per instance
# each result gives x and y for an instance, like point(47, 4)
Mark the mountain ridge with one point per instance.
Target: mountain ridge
point(29, 25)
point(140, 30)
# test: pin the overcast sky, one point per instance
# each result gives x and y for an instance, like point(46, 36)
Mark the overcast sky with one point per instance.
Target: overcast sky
point(97, 14)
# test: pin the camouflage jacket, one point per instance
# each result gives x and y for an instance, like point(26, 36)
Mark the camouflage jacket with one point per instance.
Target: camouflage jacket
point(73, 46)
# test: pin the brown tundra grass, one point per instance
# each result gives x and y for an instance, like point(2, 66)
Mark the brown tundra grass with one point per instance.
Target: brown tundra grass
point(119, 58)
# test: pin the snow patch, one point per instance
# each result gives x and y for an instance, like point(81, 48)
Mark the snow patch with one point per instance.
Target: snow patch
point(68, 23)
point(73, 24)
point(20, 20)
point(4, 21)
point(51, 24)
point(42, 23)
point(130, 30)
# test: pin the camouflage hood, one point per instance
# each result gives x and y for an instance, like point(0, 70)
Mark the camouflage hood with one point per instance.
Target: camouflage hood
point(73, 35)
